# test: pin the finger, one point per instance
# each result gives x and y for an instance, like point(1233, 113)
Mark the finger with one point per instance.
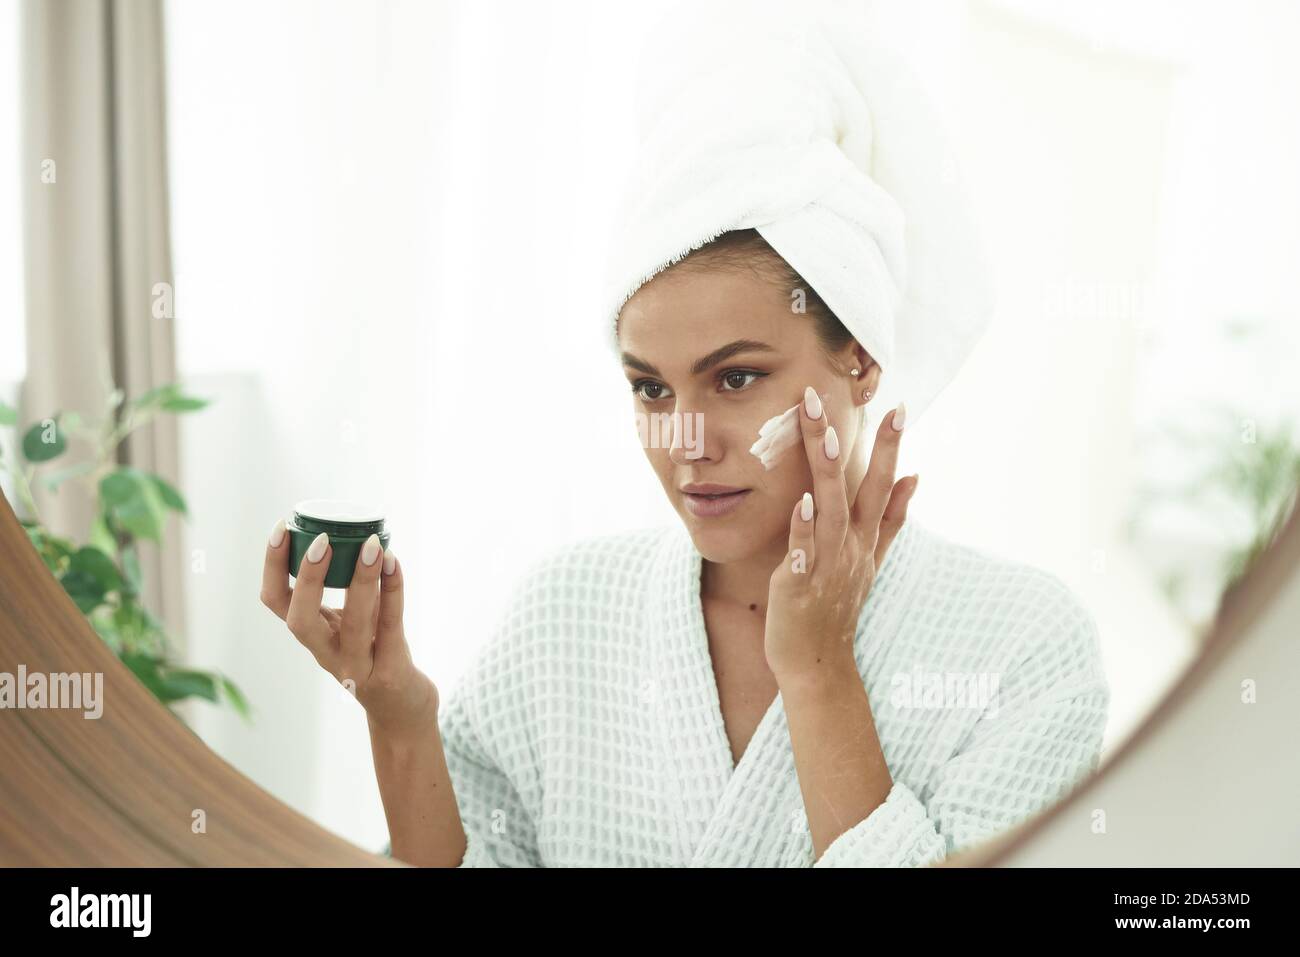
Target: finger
point(275, 572)
point(304, 618)
point(895, 515)
point(390, 637)
point(819, 439)
point(799, 560)
point(878, 483)
point(357, 625)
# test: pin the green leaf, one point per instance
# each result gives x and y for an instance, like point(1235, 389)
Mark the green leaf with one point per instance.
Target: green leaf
point(94, 563)
point(118, 487)
point(55, 551)
point(101, 537)
point(102, 622)
point(144, 667)
point(59, 549)
point(8, 414)
point(181, 683)
point(84, 589)
point(236, 697)
point(170, 684)
point(185, 403)
point(169, 495)
point(129, 621)
point(134, 502)
point(154, 397)
point(42, 443)
point(151, 627)
point(169, 398)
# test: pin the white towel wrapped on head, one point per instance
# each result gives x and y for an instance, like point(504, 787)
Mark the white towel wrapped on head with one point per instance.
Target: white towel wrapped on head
point(754, 114)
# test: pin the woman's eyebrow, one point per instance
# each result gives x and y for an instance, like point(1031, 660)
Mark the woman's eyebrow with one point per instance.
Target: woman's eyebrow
point(704, 363)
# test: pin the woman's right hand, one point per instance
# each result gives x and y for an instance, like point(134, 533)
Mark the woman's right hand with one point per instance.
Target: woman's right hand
point(363, 644)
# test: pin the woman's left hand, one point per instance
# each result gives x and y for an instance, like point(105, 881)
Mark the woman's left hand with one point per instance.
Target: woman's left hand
point(818, 591)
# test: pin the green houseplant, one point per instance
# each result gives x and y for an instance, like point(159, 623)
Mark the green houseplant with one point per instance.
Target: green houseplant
point(1242, 478)
point(102, 576)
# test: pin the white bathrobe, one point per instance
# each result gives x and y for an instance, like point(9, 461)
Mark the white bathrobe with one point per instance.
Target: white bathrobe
point(588, 730)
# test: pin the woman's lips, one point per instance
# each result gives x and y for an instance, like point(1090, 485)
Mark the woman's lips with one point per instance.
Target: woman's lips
point(711, 506)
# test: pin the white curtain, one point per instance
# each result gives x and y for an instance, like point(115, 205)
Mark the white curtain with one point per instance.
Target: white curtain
point(97, 246)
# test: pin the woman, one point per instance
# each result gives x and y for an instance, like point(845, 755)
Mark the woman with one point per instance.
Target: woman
point(794, 675)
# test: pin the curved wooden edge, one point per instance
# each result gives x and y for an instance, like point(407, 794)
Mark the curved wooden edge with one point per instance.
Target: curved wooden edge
point(1241, 606)
point(125, 789)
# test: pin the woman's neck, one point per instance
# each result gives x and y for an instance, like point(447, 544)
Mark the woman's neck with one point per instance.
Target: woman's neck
point(742, 582)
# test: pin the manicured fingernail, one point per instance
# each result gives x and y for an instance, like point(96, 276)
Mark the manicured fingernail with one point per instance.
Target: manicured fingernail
point(370, 550)
point(277, 533)
point(832, 443)
point(812, 403)
point(390, 562)
point(899, 415)
point(806, 507)
point(317, 547)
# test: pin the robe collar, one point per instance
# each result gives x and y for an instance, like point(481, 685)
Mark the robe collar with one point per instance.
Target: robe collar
point(752, 814)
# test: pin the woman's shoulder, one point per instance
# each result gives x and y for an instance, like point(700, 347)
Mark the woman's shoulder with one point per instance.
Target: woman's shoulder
point(1013, 607)
point(563, 603)
point(590, 567)
point(986, 571)
point(610, 554)
point(590, 578)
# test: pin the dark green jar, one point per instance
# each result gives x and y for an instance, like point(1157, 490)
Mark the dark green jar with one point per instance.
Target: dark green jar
point(348, 525)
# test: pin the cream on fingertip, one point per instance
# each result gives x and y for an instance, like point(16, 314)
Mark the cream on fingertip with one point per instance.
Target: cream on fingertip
point(777, 434)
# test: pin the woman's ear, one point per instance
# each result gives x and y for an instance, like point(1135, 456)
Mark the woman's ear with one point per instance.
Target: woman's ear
point(867, 382)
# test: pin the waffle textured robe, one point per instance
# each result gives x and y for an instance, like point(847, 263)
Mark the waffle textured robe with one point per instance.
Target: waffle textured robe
point(588, 732)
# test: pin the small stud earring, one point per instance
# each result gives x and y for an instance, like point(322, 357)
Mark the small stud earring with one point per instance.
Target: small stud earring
point(866, 393)
point(854, 372)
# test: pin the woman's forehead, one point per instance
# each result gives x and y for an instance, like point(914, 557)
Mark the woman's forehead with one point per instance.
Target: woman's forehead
point(693, 312)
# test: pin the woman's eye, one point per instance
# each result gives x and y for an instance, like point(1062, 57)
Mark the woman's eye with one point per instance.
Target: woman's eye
point(642, 384)
point(733, 376)
point(740, 379)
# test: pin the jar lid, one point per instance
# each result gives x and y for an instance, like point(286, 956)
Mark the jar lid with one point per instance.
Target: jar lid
point(338, 510)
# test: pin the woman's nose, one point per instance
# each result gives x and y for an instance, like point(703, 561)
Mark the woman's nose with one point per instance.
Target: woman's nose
point(688, 443)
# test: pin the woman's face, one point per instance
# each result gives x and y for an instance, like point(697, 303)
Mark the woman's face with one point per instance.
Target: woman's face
point(702, 398)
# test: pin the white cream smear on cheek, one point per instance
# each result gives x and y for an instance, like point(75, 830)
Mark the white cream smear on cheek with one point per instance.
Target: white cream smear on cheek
point(777, 434)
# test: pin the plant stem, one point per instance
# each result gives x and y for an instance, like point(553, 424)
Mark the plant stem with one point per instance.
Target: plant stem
point(23, 486)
